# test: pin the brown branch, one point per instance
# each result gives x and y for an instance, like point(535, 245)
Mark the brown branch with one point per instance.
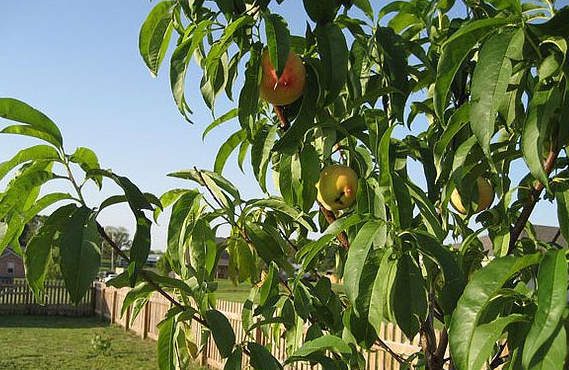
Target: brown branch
point(330, 218)
point(388, 349)
point(533, 199)
point(284, 123)
point(146, 278)
point(442, 346)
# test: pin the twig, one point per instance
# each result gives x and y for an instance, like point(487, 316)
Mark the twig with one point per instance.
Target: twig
point(533, 198)
point(149, 280)
point(388, 349)
point(330, 218)
point(497, 360)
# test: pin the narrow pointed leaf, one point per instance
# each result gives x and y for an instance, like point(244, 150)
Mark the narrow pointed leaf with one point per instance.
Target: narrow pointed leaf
point(19, 111)
point(551, 301)
point(155, 35)
point(80, 253)
point(490, 81)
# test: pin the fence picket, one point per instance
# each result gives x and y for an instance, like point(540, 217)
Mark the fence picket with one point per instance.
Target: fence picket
point(16, 297)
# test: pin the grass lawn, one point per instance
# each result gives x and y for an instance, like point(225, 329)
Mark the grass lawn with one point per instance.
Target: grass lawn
point(54, 342)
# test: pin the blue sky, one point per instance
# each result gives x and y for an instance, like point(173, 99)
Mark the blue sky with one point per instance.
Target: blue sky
point(78, 62)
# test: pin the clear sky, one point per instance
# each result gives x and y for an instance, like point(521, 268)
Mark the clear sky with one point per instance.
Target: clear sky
point(78, 62)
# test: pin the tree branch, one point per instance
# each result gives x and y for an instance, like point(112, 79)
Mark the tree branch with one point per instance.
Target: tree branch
point(388, 349)
point(533, 199)
point(146, 278)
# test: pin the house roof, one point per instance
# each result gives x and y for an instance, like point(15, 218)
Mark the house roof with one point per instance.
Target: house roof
point(9, 251)
point(545, 233)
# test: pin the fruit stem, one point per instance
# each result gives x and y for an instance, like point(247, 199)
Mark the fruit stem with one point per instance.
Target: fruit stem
point(533, 198)
point(284, 122)
point(330, 218)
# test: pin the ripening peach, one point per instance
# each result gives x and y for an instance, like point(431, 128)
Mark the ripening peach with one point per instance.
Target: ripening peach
point(286, 89)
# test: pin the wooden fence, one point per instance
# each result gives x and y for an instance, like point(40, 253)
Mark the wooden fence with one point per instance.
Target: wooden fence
point(16, 297)
point(108, 303)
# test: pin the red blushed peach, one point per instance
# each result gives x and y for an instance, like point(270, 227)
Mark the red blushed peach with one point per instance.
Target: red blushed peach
point(286, 89)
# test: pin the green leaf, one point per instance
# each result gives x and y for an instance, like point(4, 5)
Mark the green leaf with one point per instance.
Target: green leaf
point(166, 344)
point(456, 122)
point(484, 339)
point(334, 54)
point(222, 332)
point(490, 81)
point(311, 250)
point(270, 287)
point(155, 35)
point(23, 190)
point(37, 255)
point(136, 199)
point(310, 174)
point(267, 248)
point(483, 285)
point(222, 119)
point(179, 64)
point(395, 66)
point(562, 198)
point(261, 358)
point(167, 199)
point(87, 160)
point(409, 296)
point(427, 210)
point(38, 152)
point(278, 41)
point(249, 95)
point(212, 179)
point(452, 273)
point(455, 51)
point(32, 132)
point(539, 119)
point(321, 11)
point(202, 249)
point(304, 121)
point(141, 291)
point(183, 211)
point(357, 255)
point(234, 360)
point(140, 246)
point(261, 153)
point(365, 6)
point(551, 302)
point(38, 122)
point(552, 355)
point(80, 253)
point(326, 342)
point(279, 205)
point(227, 148)
point(381, 289)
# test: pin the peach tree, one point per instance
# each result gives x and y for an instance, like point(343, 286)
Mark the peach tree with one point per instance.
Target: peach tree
point(429, 103)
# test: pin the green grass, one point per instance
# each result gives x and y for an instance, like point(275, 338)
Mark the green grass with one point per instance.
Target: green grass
point(54, 342)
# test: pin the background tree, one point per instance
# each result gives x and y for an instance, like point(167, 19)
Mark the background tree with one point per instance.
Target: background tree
point(121, 238)
point(489, 79)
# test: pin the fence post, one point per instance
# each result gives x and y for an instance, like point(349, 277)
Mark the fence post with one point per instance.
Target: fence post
point(93, 299)
point(127, 319)
point(145, 321)
point(113, 304)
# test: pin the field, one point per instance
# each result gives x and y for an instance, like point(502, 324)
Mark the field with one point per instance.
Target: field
point(53, 342)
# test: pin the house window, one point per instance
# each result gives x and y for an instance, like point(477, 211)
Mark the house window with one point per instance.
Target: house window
point(11, 267)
